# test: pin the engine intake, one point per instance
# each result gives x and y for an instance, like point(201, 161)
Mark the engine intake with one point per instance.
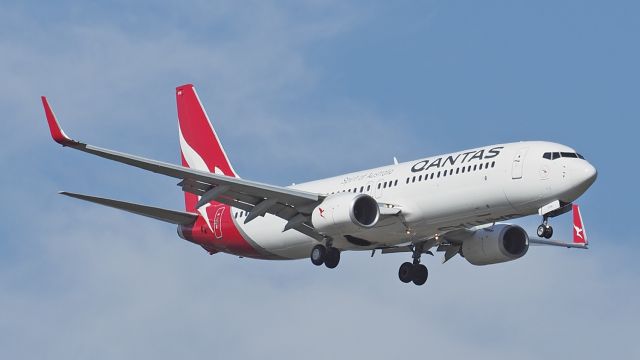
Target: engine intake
point(345, 213)
point(499, 243)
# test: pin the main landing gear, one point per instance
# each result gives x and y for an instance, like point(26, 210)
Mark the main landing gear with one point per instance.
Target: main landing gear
point(414, 271)
point(545, 230)
point(329, 256)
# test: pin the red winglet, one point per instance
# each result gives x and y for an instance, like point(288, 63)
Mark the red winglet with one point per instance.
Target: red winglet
point(56, 132)
point(579, 233)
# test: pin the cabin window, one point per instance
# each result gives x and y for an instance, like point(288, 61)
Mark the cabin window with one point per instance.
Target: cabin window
point(420, 178)
point(368, 187)
point(493, 164)
point(395, 183)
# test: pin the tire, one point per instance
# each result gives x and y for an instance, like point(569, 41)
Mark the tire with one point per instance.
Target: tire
point(542, 231)
point(548, 232)
point(420, 274)
point(332, 258)
point(318, 255)
point(405, 273)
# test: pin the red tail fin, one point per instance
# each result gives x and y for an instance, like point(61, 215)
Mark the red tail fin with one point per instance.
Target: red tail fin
point(199, 145)
point(579, 233)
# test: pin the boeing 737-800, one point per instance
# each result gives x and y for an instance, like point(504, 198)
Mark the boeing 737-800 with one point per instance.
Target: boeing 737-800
point(454, 203)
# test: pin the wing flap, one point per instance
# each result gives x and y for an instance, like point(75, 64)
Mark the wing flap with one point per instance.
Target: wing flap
point(170, 216)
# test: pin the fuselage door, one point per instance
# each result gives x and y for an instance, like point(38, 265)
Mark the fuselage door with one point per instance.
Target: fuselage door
point(518, 164)
point(217, 222)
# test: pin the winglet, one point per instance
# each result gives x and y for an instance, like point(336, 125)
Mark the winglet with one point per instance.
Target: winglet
point(56, 132)
point(579, 232)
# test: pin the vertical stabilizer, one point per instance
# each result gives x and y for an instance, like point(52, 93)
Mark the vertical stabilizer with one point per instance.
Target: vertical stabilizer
point(199, 144)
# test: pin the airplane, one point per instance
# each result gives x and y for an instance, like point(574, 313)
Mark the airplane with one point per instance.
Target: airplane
point(457, 203)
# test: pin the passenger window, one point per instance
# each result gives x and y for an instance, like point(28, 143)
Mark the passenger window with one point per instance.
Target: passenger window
point(420, 178)
point(438, 173)
point(475, 167)
point(493, 164)
point(395, 183)
point(480, 167)
point(368, 187)
point(457, 171)
point(407, 180)
point(444, 173)
point(469, 168)
point(432, 175)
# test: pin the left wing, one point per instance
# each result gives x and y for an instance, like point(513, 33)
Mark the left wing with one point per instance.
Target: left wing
point(294, 206)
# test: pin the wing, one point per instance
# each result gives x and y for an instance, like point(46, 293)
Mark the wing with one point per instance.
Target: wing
point(294, 206)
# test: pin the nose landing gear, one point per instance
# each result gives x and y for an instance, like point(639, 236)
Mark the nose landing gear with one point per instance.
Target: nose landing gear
point(545, 230)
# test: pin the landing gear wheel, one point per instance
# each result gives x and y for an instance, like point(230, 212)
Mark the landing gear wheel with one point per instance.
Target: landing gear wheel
point(405, 273)
point(332, 258)
point(420, 274)
point(545, 231)
point(318, 255)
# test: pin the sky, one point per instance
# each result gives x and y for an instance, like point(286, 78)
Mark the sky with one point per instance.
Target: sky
point(300, 90)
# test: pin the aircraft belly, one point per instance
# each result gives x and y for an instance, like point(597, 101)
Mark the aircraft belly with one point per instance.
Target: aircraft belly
point(266, 233)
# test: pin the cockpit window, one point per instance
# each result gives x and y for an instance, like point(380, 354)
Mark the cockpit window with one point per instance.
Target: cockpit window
point(558, 155)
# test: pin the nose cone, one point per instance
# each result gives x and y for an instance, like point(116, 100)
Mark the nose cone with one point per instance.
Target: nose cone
point(587, 175)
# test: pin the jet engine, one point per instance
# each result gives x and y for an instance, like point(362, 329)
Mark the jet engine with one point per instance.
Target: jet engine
point(345, 213)
point(496, 244)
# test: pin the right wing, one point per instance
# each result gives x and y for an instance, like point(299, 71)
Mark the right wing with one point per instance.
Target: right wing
point(294, 206)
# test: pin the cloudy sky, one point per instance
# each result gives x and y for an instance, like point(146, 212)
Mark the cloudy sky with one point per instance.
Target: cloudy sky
point(298, 91)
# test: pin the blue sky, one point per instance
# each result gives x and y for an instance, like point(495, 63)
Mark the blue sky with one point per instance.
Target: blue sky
point(302, 90)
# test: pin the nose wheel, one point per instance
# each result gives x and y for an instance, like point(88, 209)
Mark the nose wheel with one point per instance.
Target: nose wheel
point(545, 230)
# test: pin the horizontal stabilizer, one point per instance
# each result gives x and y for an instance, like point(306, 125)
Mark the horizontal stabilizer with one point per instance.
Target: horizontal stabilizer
point(170, 216)
point(536, 241)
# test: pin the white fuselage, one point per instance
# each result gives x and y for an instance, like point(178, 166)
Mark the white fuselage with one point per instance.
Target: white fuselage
point(440, 194)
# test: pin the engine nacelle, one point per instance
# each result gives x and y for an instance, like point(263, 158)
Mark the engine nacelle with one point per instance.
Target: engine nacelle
point(345, 213)
point(499, 243)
